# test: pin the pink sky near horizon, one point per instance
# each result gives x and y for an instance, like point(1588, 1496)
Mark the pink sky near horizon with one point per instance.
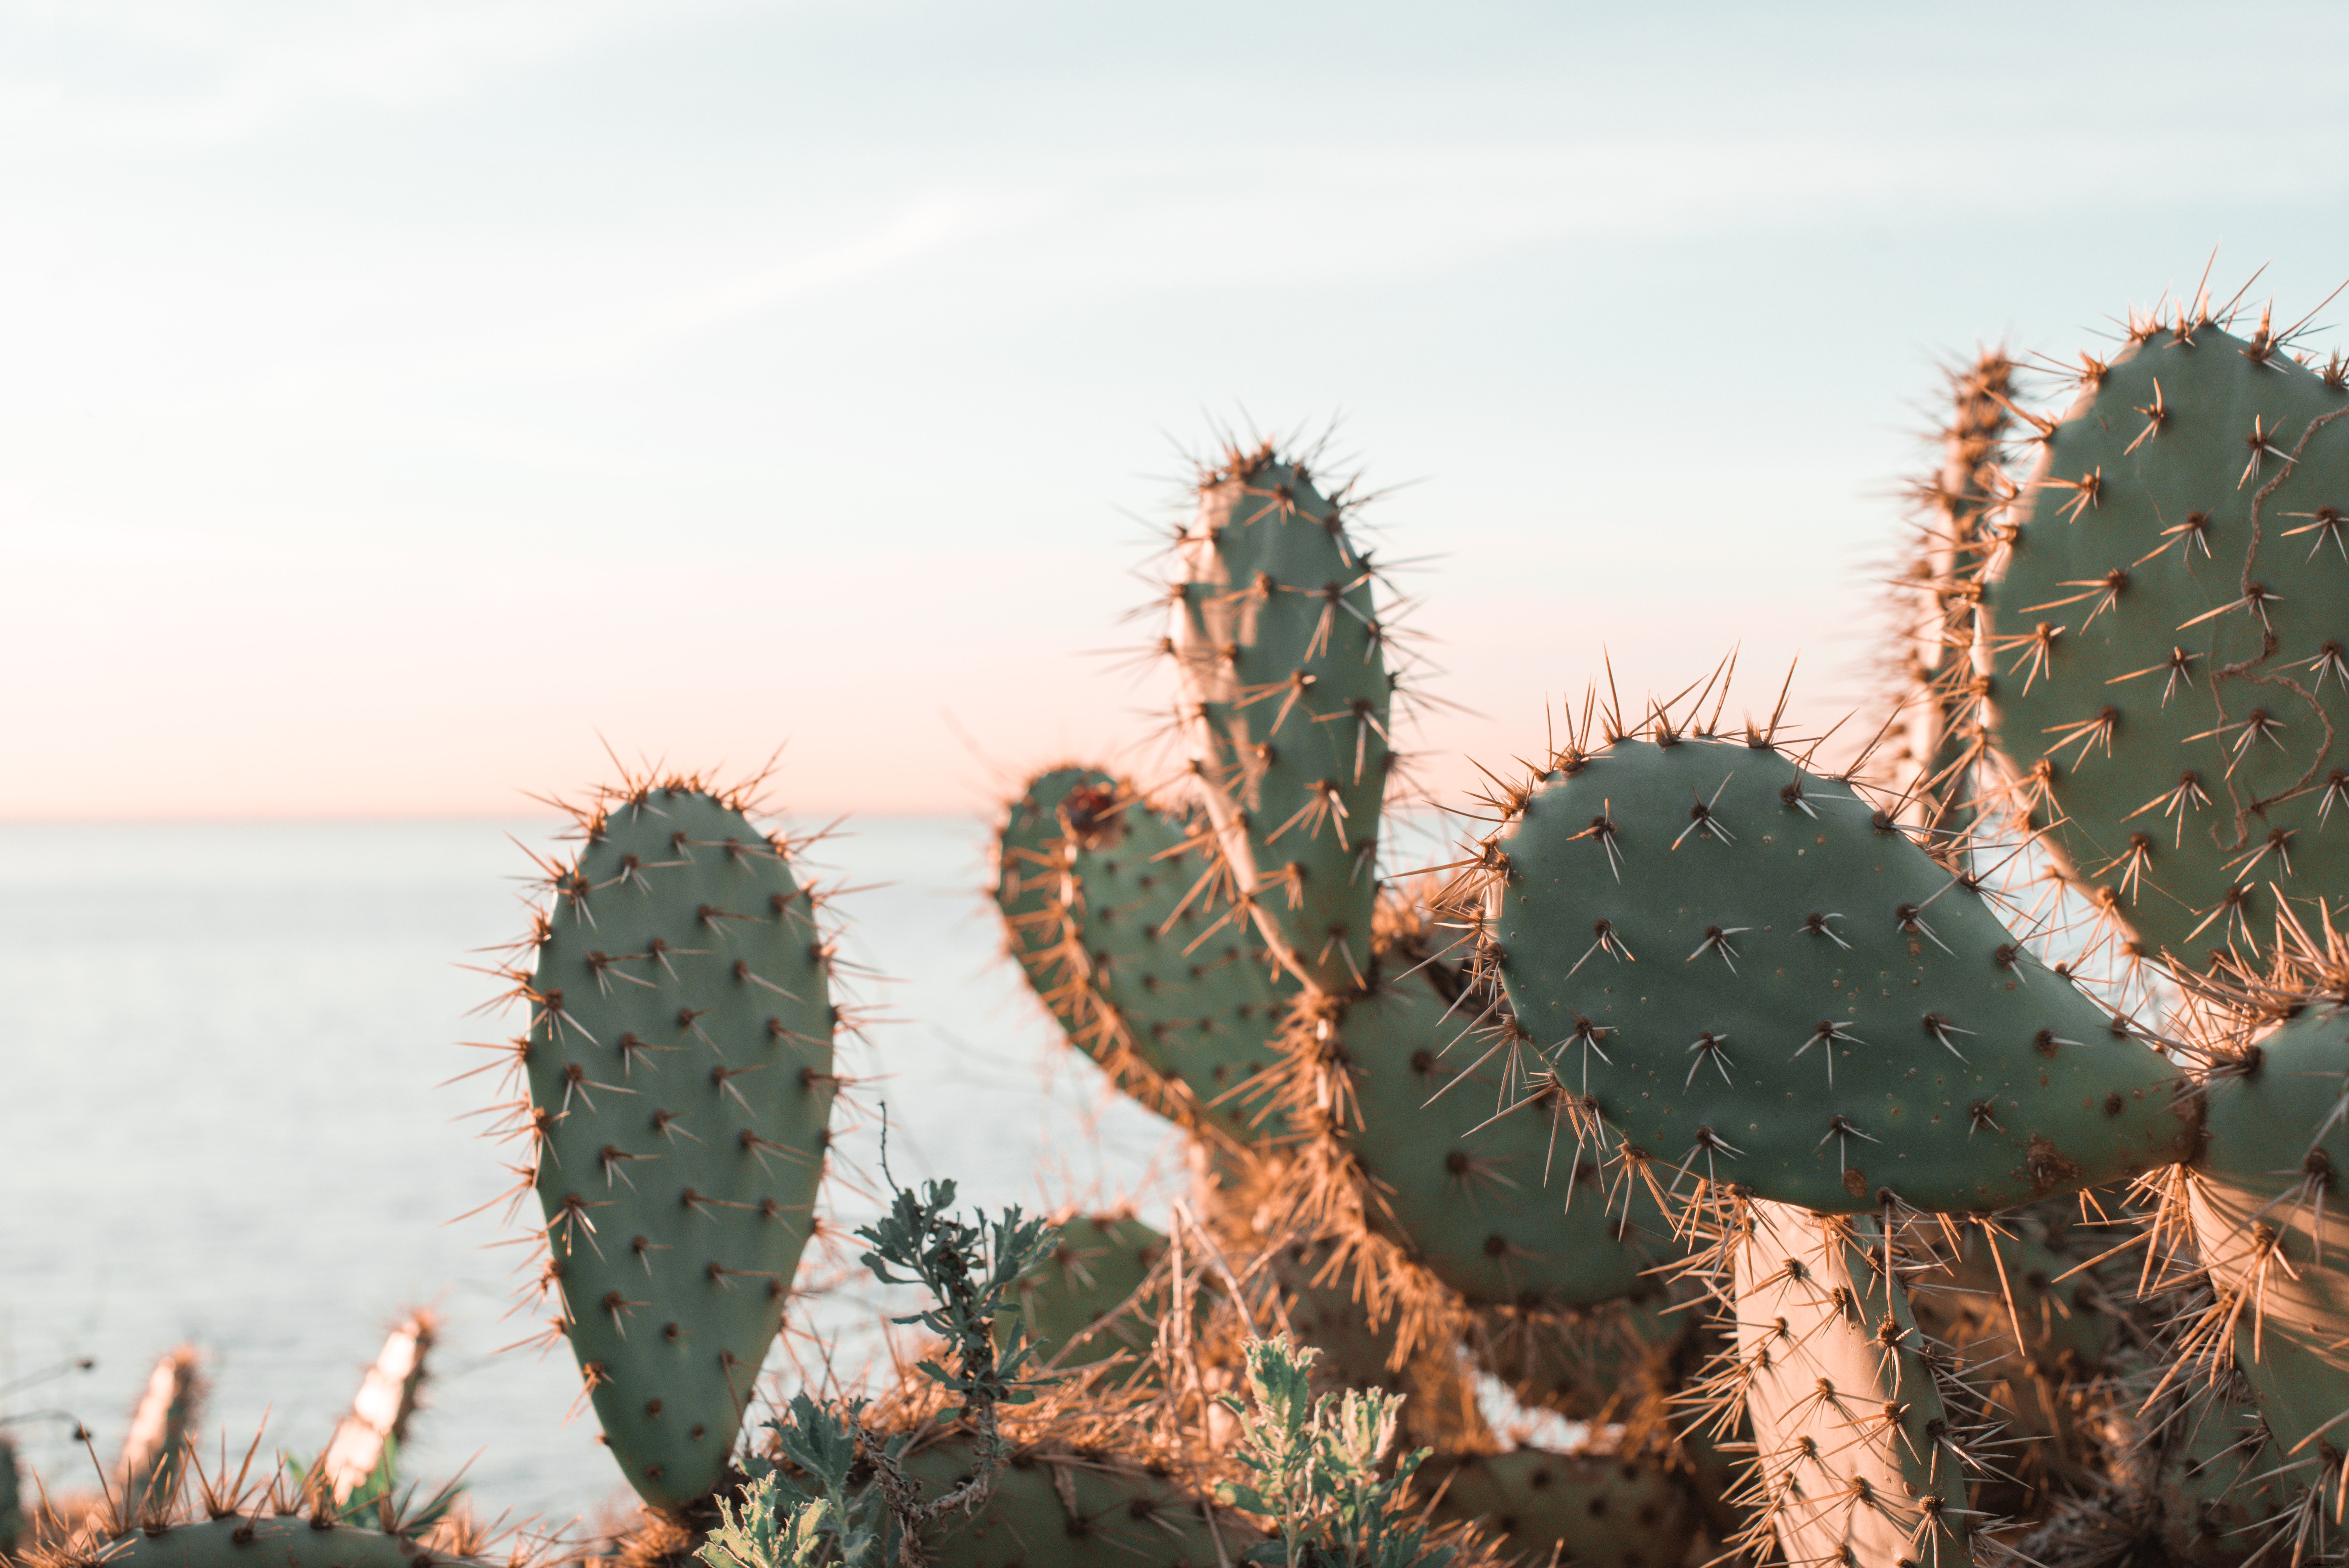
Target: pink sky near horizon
point(247, 685)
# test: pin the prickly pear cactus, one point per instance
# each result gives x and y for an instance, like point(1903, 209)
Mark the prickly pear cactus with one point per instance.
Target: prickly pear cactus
point(1285, 698)
point(154, 1450)
point(1510, 1216)
point(1048, 1508)
point(282, 1541)
point(2270, 1235)
point(1600, 1513)
point(1102, 897)
point(1092, 1286)
point(1962, 505)
point(680, 1070)
point(1857, 1459)
point(371, 1431)
point(2167, 622)
point(1747, 973)
point(12, 1497)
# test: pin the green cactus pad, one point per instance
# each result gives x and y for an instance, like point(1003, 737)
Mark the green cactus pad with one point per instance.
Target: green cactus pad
point(1506, 1216)
point(2271, 1232)
point(1064, 1508)
point(1096, 1271)
point(2225, 1486)
point(1092, 884)
point(1286, 694)
point(277, 1541)
point(12, 1497)
point(680, 1068)
point(2168, 630)
point(1853, 1458)
point(1974, 1307)
point(1598, 1513)
point(1754, 977)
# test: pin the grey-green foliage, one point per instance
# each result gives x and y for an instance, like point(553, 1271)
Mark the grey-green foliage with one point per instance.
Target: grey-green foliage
point(1314, 1465)
point(2168, 632)
point(1286, 696)
point(680, 1070)
point(966, 1271)
point(1751, 976)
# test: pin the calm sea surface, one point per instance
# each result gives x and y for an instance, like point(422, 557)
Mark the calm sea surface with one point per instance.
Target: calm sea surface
point(227, 1121)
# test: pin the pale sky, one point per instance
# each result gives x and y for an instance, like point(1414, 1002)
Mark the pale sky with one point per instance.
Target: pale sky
point(396, 397)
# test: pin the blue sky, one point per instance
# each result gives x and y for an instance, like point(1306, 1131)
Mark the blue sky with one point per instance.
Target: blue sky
point(395, 398)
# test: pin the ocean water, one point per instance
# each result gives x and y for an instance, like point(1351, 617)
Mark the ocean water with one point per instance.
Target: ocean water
point(228, 1120)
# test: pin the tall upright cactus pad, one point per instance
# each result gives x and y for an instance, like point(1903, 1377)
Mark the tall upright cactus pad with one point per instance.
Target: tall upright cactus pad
point(2271, 1232)
point(680, 1070)
point(1857, 1459)
point(1960, 505)
point(2169, 624)
point(1747, 973)
point(1509, 1216)
point(1101, 896)
point(1285, 697)
point(12, 1497)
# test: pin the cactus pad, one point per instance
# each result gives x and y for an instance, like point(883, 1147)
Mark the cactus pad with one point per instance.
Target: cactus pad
point(279, 1541)
point(2168, 627)
point(1048, 1508)
point(1286, 696)
point(1855, 1458)
point(680, 1060)
point(1506, 1217)
point(1599, 1513)
point(1753, 976)
point(1096, 889)
point(2271, 1232)
point(1097, 1271)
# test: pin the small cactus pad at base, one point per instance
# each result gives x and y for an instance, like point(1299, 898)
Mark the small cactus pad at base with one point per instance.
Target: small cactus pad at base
point(276, 1542)
point(12, 1497)
point(2271, 1232)
point(155, 1450)
point(1096, 1273)
point(1287, 695)
point(1750, 976)
point(1097, 890)
point(681, 1065)
point(2167, 625)
point(1593, 1512)
point(1504, 1217)
point(1854, 1459)
point(1049, 1509)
